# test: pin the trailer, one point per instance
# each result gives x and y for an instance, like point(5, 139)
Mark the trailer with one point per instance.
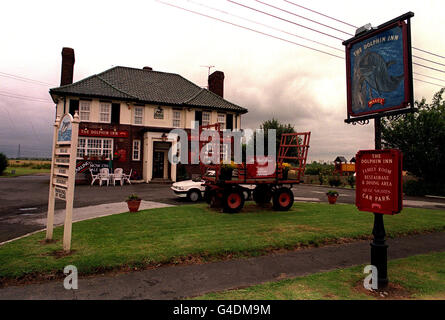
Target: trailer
point(226, 183)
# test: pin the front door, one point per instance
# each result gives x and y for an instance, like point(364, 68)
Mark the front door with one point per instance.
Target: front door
point(158, 164)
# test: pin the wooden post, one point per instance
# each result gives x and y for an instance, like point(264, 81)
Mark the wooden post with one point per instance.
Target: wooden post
point(71, 181)
point(51, 198)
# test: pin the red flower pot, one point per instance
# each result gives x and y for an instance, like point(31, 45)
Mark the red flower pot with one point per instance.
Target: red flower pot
point(332, 199)
point(133, 205)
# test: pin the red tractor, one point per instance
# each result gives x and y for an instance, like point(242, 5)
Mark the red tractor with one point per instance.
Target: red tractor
point(226, 184)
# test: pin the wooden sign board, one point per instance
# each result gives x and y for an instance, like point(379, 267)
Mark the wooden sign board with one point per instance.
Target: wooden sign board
point(379, 181)
point(60, 193)
point(63, 170)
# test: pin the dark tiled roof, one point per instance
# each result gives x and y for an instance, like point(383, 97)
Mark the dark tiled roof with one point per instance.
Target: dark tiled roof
point(340, 159)
point(146, 86)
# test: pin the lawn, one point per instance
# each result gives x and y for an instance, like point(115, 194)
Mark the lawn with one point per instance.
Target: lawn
point(193, 233)
point(22, 171)
point(26, 167)
point(416, 277)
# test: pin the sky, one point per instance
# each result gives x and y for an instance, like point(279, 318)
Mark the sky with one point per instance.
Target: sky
point(270, 77)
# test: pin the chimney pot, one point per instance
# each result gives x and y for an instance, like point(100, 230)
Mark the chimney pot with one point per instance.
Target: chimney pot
point(67, 66)
point(216, 83)
point(148, 68)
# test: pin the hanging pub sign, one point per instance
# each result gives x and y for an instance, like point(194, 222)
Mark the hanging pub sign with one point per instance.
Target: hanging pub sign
point(379, 181)
point(379, 69)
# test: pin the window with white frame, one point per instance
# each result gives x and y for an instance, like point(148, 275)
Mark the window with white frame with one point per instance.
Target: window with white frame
point(205, 118)
point(84, 109)
point(176, 118)
point(138, 115)
point(95, 147)
point(105, 112)
point(136, 150)
point(224, 150)
point(222, 120)
point(81, 148)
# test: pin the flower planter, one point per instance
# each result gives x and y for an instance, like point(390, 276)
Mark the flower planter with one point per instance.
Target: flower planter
point(133, 205)
point(332, 199)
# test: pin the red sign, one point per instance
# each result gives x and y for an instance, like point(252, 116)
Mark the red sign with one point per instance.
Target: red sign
point(103, 133)
point(376, 101)
point(379, 181)
point(260, 167)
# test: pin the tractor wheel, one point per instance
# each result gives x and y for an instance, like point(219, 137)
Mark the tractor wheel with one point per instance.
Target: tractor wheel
point(262, 194)
point(283, 199)
point(215, 200)
point(233, 201)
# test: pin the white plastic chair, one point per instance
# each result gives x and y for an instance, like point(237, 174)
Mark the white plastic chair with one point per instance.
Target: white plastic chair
point(126, 177)
point(104, 175)
point(119, 176)
point(94, 177)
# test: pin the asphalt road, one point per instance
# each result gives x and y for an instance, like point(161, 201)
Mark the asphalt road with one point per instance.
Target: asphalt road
point(26, 197)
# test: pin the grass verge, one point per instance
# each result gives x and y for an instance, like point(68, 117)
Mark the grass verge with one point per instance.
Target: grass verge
point(22, 171)
point(416, 277)
point(195, 233)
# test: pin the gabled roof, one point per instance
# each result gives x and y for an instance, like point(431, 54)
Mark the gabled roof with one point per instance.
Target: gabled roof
point(145, 86)
point(340, 159)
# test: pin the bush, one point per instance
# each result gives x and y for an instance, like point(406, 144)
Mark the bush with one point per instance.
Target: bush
point(41, 166)
point(414, 188)
point(351, 181)
point(3, 163)
point(419, 188)
point(334, 181)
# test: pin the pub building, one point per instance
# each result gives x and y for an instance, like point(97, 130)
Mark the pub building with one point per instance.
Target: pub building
point(126, 115)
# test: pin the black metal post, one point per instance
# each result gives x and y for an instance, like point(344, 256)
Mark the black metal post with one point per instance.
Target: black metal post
point(379, 248)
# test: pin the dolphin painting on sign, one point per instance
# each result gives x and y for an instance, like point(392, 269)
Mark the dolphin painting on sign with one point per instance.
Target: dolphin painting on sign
point(377, 72)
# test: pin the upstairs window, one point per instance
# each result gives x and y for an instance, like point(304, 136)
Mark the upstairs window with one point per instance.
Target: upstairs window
point(85, 109)
point(222, 120)
point(176, 118)
point(138, 115)
point(205, 118)
point(105, 112)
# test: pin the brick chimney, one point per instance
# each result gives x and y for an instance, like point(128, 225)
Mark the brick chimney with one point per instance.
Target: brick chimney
point(67, 66)
point(216, 83)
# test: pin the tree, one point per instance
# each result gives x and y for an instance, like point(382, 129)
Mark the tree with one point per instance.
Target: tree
point(280, 129)
point(3, 163)
point(421, 138)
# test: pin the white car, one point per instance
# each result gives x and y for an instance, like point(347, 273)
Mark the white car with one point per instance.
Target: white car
point(193, 190)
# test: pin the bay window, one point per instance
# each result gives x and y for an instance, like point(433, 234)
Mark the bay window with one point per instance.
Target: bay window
point(95, 147)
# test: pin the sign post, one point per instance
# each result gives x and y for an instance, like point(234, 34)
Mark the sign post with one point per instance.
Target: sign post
point(63, 172)
point(379, 84)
